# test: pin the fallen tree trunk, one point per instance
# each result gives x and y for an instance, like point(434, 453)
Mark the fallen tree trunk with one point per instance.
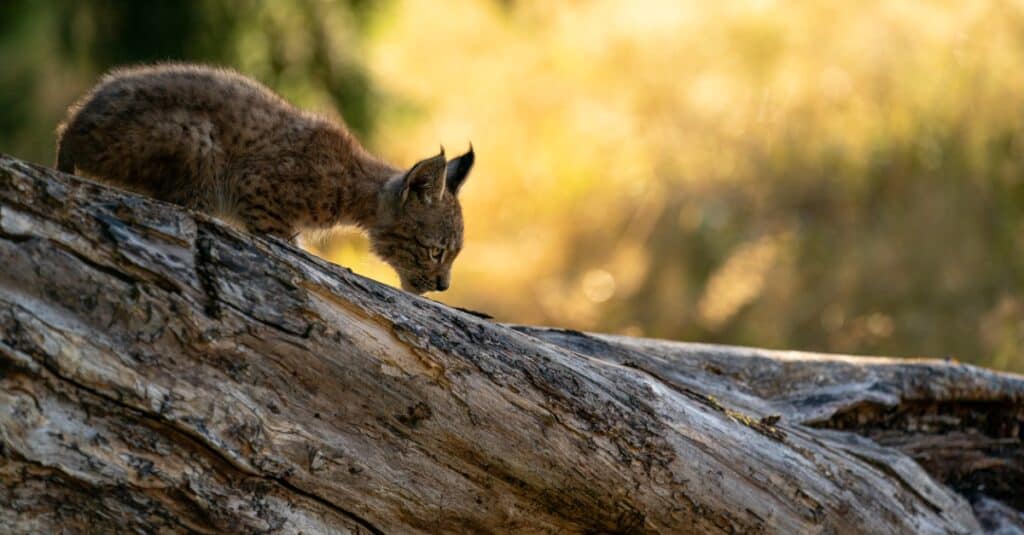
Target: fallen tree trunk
point(160, 371)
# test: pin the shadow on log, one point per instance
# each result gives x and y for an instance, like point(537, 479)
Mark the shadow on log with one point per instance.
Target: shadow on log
point(160, 371)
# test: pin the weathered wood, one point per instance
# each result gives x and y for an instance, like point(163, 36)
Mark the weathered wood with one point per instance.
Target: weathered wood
point(160, 371)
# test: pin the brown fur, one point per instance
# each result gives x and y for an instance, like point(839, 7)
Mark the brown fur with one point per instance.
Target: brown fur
point(216, 141)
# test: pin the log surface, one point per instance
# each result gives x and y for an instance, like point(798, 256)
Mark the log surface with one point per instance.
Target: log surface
point(162, 372)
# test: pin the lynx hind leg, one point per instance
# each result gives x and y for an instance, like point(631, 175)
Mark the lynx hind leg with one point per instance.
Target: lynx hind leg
point(65, 158)
point(97, 143)
point(77, 150)
point(172, 156)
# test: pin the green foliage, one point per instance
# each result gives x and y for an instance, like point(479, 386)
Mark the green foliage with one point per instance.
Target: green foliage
point(53, 51)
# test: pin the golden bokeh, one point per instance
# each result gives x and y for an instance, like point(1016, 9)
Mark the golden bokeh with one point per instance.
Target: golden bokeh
point(746, 172)
point(833, 176)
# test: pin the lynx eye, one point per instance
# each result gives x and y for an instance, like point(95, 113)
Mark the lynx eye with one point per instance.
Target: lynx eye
point(436, 254)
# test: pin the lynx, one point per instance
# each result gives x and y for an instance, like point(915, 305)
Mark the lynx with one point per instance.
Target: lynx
point(216, 141)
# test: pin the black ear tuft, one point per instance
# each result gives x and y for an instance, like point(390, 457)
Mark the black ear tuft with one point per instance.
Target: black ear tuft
point(458, 169)
point(426, 179)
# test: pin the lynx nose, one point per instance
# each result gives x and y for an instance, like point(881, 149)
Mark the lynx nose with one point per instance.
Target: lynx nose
point(442, 284)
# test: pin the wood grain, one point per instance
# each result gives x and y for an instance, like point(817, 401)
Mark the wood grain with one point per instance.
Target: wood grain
point(162, 372)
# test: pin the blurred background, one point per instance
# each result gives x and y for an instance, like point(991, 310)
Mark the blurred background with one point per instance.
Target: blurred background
point(825, 176)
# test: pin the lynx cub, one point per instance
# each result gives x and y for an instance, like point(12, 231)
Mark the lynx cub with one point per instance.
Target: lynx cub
point(216, 141)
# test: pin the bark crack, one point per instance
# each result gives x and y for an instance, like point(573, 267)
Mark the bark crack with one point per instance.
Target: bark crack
point(199, 441)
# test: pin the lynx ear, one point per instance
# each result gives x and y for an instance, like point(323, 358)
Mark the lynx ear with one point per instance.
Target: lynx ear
point(457, 170)
point(425, 180)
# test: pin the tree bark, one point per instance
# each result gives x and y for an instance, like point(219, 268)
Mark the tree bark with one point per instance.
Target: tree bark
point(162, 372)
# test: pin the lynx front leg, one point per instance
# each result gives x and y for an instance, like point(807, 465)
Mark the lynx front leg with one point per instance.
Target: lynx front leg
point(259, 218)
point(261, 212)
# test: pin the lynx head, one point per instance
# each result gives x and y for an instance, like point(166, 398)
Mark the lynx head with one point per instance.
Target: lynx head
point(419, 222)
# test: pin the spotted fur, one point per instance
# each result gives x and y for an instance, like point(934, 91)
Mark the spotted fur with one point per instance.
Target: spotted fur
point(215, 141)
